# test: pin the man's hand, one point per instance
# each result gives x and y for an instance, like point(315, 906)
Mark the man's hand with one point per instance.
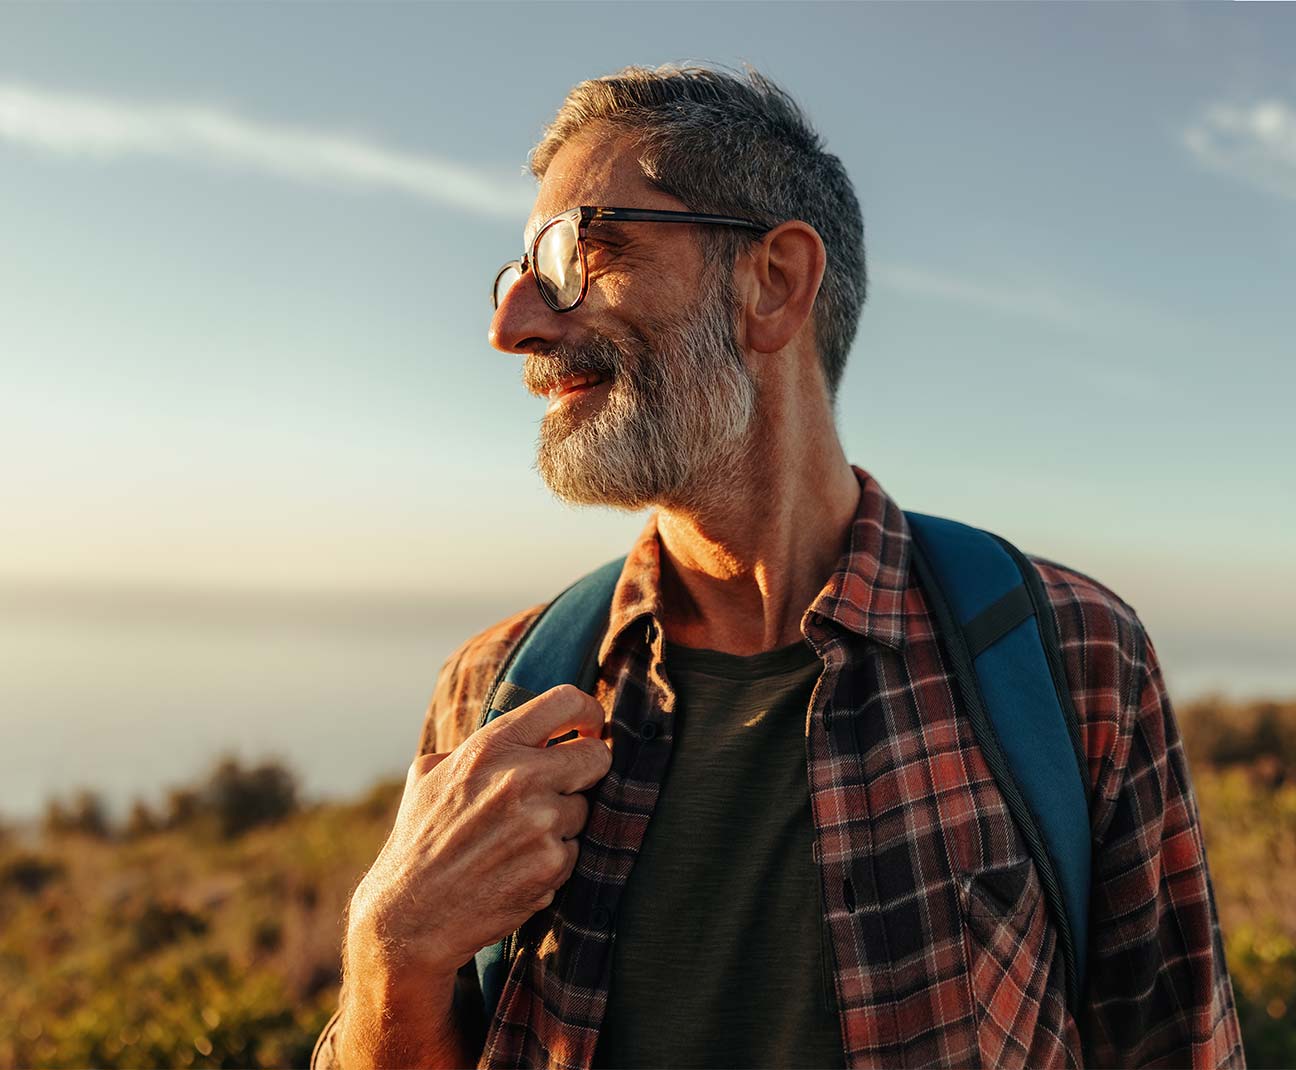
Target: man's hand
point(485, 835)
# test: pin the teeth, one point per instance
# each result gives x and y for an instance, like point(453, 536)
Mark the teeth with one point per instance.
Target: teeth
point(572, 384)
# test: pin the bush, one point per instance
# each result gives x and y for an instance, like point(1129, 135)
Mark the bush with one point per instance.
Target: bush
point(1222, 733)
point(160, 924)
point(28, 873)
point(182, 808)
point(241, 799)
point(84, 815)
point(142, 821)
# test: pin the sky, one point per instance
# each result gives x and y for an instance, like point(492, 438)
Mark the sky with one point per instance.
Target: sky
point(244, 302)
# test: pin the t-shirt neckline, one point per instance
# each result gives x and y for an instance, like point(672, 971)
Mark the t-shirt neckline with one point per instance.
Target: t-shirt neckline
point(778, 662)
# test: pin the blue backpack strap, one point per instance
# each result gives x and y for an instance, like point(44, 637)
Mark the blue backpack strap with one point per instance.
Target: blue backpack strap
point(994, 616)
point(559, 647)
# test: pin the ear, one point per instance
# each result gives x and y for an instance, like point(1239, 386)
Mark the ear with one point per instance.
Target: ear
point(779, 281)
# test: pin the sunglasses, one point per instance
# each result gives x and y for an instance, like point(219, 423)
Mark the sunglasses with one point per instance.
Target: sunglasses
point(557, 256)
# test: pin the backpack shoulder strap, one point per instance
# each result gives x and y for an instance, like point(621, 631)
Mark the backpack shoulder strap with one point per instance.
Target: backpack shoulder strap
point(559, 647)
point(996, 622)
point(994, 617)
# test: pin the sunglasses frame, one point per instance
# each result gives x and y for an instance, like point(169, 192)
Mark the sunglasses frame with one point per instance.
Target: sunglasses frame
point(582, 216)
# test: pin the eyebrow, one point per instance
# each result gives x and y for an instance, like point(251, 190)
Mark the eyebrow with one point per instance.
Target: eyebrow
point(617, 230)
point(605, 226)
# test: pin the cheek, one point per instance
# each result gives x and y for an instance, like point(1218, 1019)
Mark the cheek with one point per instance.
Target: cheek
point(641, 288)
point(612, 293)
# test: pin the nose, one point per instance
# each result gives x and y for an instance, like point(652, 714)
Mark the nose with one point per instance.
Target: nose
point(523, 321)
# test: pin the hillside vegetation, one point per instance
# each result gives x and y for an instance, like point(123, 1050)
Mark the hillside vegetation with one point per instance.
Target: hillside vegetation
point(207, 934)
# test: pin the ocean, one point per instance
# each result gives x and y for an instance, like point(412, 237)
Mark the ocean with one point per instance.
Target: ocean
point(129, 693)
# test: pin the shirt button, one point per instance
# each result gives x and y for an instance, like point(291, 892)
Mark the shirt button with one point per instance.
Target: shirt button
point(601, 918)
point(648, 730)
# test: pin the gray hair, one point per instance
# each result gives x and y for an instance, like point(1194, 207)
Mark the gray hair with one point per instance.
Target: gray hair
point(734, 145)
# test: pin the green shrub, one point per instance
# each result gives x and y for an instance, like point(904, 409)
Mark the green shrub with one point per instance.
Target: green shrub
point(241, 799)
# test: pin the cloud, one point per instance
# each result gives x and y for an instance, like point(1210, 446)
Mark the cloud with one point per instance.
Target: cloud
point(97, 127)
point(1034, 295)
point(1104, 321)
point(1019, 301)
point(1256, 143)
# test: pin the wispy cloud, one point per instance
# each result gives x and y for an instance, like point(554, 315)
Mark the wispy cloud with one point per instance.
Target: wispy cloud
point(91, 126)
point(1105, 321)
point(1255, 142)
point(1036, 295)
point(1023, 301)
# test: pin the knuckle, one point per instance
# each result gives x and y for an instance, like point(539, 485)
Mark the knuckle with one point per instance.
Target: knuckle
point(564, 695)
point(543, 818)
point(581, 806)
point(554, 864)
point(572, 848)
point(575, 815)
point(601, 753)
point(591, 759)
point(475, 751)
point(510, 784)
point(423, 763)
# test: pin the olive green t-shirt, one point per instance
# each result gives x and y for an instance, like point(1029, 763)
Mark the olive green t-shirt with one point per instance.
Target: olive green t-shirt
point(720, 957)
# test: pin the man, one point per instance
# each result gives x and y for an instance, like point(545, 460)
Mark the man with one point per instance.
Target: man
point(830, 876)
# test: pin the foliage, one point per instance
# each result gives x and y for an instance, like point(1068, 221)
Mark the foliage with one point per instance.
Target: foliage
point(27, 873)
point(241, 799)
point(1259, 735)
point(179, 948)
point(1250, 832)
point(84, 814)
point(208, 933)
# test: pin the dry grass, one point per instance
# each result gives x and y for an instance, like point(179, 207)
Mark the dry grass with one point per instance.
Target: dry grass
point(184, 948)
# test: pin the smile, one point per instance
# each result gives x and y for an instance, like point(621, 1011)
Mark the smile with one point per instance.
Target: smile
point(572, 386)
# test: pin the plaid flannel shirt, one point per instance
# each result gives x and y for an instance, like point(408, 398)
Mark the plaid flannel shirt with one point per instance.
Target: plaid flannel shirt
point(943, 951)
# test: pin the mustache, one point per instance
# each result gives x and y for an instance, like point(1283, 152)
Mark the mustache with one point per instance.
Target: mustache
point(544, 368)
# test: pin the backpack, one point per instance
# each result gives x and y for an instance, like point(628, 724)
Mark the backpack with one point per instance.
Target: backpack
point(996, 624)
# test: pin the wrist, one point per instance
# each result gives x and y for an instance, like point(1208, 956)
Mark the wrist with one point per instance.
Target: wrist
point(396, 1015)
point(382, 938)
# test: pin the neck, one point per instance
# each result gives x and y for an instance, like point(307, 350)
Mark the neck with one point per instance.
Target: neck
point(740, 567)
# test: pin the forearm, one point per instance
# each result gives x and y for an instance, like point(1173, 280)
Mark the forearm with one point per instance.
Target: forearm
point(390, 1019)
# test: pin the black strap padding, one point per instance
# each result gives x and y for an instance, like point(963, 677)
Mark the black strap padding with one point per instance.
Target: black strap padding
point(489, 704)
point(998, 619)
point(509, 696)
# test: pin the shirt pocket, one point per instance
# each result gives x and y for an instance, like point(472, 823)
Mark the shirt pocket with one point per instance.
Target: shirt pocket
point(1010, 948)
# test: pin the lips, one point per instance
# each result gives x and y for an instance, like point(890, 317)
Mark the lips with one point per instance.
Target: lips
point(572, 383)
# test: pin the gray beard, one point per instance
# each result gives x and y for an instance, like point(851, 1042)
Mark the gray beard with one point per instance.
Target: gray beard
point(674, 427)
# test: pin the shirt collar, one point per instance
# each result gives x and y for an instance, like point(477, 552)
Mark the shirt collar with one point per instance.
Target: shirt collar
point(864, 594)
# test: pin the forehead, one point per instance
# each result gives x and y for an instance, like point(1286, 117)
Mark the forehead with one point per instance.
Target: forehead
point(599, 167)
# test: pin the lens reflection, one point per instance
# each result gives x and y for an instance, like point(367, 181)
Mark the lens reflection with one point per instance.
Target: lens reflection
point(504, 281)
point(557, 263)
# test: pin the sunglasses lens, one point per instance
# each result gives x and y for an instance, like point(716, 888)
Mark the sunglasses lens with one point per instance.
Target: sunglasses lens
point(557, 264)
point(504, 282)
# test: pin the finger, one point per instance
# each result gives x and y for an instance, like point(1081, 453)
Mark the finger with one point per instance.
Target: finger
point(571, 853)
point(560, 708)
point(573, 813)
point(573, 766)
